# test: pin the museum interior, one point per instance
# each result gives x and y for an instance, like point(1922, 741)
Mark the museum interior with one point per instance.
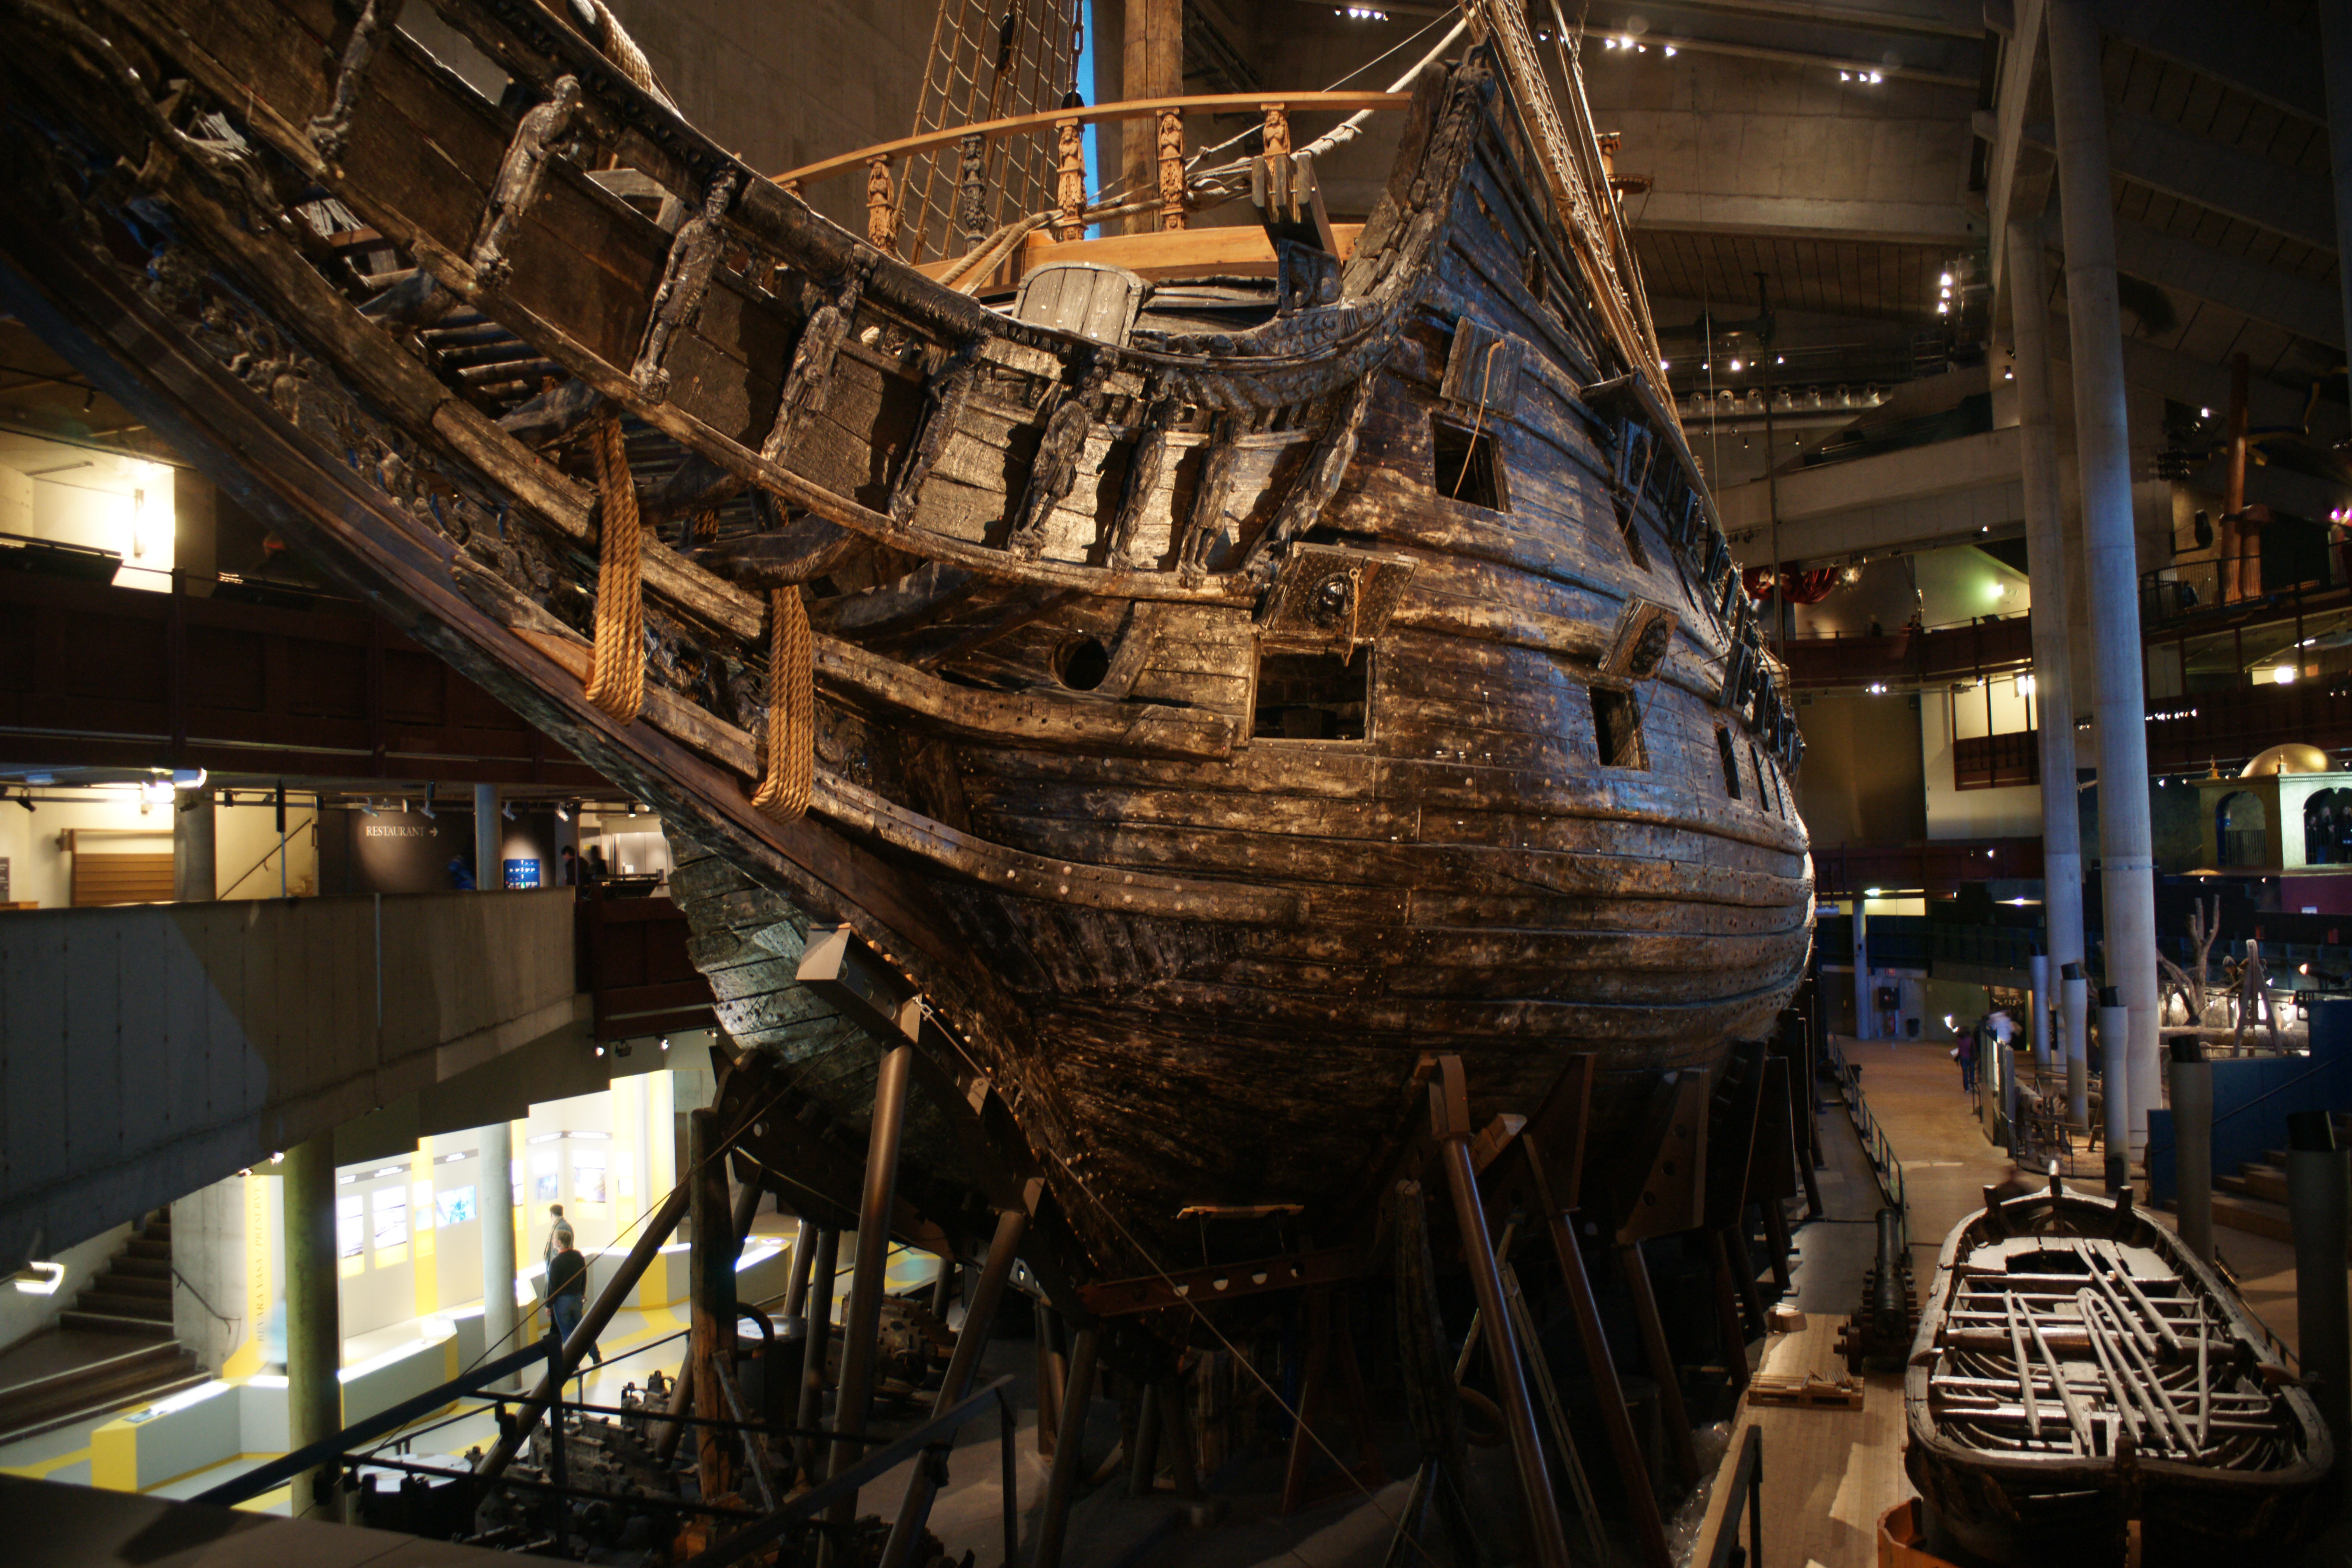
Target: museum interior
point(1175, 784)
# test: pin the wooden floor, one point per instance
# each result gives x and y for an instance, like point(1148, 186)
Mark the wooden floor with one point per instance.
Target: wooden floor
point(1829, 1473)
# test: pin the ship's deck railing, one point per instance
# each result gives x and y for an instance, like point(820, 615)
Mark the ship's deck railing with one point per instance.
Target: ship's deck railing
point(1072, 211)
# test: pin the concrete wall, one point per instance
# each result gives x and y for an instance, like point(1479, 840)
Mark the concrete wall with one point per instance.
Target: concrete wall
point(146, 1051)
point(1974, 813)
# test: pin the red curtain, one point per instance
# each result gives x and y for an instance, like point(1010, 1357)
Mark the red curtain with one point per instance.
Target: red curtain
point(1796, 587)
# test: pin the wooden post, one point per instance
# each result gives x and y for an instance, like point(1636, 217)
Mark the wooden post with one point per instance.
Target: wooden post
point(1450, 1118)
point(1152, 65)
point(881, 206)
point(1172, 169)
point(1649, 1530)
point(1070, 165)
point(711, 1300)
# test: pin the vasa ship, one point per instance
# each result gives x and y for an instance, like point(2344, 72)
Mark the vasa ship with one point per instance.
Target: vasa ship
point(1217, 688)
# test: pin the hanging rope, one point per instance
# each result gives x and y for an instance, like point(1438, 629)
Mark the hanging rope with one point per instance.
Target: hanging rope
point(784, 792)
point(616, 680)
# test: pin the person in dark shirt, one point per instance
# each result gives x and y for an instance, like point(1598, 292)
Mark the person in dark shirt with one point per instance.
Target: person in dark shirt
point(567, 1291)
point(593, 868)
point(569, 875)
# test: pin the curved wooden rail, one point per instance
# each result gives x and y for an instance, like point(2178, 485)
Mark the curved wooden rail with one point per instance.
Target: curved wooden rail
point(1133, 108)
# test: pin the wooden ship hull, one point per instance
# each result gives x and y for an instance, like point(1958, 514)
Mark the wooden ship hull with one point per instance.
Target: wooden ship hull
point(2076, 1368)
point(1212, 716)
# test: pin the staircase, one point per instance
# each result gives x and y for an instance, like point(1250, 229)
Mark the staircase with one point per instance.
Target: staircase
point(113, 1347)
point(2254, 1199)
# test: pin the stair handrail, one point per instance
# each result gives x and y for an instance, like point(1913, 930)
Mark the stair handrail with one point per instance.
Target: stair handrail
point(199, 1295)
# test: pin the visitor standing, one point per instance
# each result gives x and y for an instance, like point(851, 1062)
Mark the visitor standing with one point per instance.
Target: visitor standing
point(1965, 1052)
point(559, 1233)
point(567, 1292)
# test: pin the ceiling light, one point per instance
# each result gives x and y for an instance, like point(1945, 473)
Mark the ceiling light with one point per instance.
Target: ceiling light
point(1665, 364)
point(1946, 281)
point(1944, 308)
point(2204, 414)
point(665, 1039)
point(600, 1051)
point(1845, 76)
point(155, 792)
point(1670, 51)
point(1876, 77)
point(1608, 43)
point(1626, 42)
point(1870, 892)
point(2284, 675)
point(1735, 365)
point(507, 810)
point(562, 812)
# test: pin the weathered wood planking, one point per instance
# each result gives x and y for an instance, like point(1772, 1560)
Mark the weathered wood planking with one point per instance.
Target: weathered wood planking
point(1198, 962)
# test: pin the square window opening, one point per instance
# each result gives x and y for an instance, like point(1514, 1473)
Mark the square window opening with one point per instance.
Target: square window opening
point(1313, 697)
point(1617, 727)
point(1629, 528)
point(1469, 468)
point(1730, 762)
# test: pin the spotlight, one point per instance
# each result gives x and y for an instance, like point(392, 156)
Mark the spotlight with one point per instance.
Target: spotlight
point(155, 792)
point(1875, 77)
point(1845, 76)
point(507, 810)
point(1665, 364)
point(562, 812)
point(428, 803)
point(25, 800)
point(1946, 281)
point(1735, 366)
point(600, 1050)
point(368, 806)
point(1670, 51)
point(2204, 414)
point(665, 1039)
point(1942, 306)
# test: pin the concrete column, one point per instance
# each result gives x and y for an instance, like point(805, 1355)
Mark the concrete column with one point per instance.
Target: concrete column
point(2045, 555)
point(488, 872)
point(314, 1341)
point(195, 866)
point(2335, 56)
point(495, 1202)
point(1865, 1027)
point(2094, 328)
point(2315, 1195)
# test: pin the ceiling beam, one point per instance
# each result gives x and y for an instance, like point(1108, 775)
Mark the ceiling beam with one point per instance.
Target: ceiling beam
point(1929, 22)
point(2228, 180)
point(2008, 198)
point(2306, 309)
point(2243, 46)
point(1806, 218)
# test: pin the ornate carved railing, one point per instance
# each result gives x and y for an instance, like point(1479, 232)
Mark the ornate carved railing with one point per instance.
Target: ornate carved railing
point(1166, 113)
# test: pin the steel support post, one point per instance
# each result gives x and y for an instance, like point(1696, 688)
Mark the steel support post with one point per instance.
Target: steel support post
point(489, 871)
point(2192, 1144)
point(494, 1202)
point(2038, 1010)
point(963, 1362)
point(863, 1325)
point(1449, 1115)
point(314, 1341)
point(1866, 1017)
point(1641, 1500)
point(2336, 54)
point(818, 1344)
point(2317, 1204)
point(2053, 676)
point(2074, 1004)
point(2103, 460)
point(1053, 1518)
point(804, 1257)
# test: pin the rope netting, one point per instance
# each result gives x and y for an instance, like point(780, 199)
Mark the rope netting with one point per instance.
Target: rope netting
point(990, 59)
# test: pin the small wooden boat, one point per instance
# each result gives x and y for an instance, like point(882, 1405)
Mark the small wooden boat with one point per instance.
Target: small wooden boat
point(2078, 1369)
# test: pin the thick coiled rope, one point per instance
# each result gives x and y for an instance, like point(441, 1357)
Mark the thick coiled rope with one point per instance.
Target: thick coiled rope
point(616, 680)
point(790, 760)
